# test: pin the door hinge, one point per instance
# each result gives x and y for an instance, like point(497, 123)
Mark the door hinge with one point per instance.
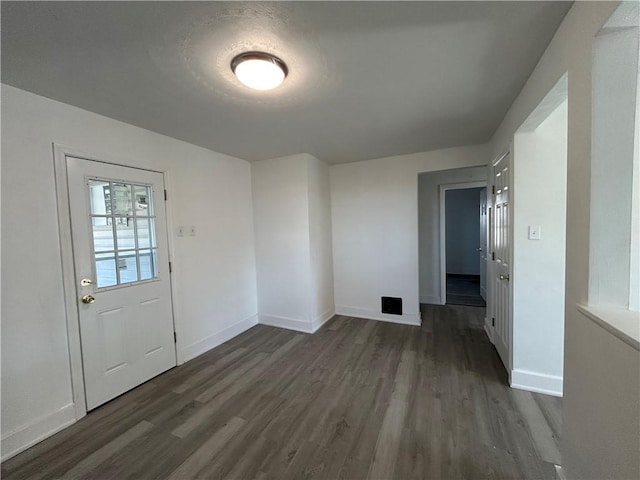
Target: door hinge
point(493, 190)
point(175, 338)
point(166, 195)
point(170, 267)
point(493, 321)
point(493, 255)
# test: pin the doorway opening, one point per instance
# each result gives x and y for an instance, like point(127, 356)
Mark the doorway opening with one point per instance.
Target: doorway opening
point(463, 243)
point(431, 229)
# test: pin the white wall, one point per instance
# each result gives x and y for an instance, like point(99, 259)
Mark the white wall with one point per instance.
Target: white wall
point(374, 207)
point(214, 274)
point(539, 199)
point(634, 270)
point(615, 79)
point(429, 225)
point(601, 405)
point(281, 219)
point(320, 237)
point(293, 242)
point(463, 231)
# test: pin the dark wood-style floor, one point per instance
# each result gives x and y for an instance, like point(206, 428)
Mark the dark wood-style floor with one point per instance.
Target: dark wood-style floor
point(358, 399)
point(464, 290)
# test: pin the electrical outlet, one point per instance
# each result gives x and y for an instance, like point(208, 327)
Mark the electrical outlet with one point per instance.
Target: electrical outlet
point(534, 232)
point(192, 230)
point(181, 231)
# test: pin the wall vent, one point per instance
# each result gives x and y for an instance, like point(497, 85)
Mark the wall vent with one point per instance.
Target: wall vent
point(392, 305)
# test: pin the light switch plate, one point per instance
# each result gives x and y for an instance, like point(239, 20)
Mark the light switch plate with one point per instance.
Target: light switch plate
point(534, 232)
point(181, 231)
point(192, 230)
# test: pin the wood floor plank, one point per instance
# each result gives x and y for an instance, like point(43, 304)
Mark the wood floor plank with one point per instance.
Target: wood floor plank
point(363, 335)
point(551, 408)
point(541, 433)
point(145, 457)
point(96, 458)
point(388, 445)
point(201, 414)
point(205, 372)
point(204, 454)
point(357, 399)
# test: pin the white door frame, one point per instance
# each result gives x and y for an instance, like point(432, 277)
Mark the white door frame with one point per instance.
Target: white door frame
point(69, 284)
point(443, 236)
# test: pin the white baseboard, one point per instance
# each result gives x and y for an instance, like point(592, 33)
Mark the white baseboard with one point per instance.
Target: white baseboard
point(536, 382)
point(322, 319)
point(212, 341)
point(405, 319)
point(285, 322)
point(431, 299)
point(28, 435)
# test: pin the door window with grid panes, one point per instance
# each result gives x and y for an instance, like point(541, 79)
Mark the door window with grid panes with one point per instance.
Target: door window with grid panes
point(124, 238)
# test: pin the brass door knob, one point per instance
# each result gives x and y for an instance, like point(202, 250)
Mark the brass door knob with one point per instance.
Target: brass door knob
point(88, 299)
point(504, 277)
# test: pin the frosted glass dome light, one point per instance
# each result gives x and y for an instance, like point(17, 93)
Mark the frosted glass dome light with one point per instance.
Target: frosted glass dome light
point(258, 70)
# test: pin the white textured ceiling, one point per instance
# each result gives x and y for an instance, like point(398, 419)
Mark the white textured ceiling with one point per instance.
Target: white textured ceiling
point(367, 79)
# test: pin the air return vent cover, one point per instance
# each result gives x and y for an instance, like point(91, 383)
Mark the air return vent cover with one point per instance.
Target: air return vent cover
point(392, 305)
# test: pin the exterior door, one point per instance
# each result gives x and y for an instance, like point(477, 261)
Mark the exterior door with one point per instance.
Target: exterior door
point(500, 248)
point(119, 235)
point(482, 250)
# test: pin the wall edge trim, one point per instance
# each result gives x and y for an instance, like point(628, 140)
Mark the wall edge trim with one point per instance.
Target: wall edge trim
point(536, 382)
point(202, 346)
point(37, 430)
point(303, 326)
point(321, 319)
point(405, 319)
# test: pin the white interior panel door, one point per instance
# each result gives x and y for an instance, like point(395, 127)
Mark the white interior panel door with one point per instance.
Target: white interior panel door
point(119, 235)
point(501, 252)
point(482, 250)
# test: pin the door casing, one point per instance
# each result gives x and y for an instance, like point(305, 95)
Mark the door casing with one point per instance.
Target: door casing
point(70, 289)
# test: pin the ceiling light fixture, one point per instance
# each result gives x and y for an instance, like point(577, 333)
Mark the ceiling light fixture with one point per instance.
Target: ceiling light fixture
point(259, 70)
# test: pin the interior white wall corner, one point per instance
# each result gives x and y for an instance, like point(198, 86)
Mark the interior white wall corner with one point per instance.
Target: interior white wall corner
point(293, 242)
point(320, 242)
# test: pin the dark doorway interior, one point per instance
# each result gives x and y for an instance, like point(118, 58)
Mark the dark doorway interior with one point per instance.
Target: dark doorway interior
point(463, 246)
